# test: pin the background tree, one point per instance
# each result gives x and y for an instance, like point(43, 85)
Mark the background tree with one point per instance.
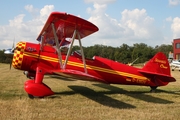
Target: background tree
point(164, 48)
point(123, 53)
point(143, 52)
point(5, 58)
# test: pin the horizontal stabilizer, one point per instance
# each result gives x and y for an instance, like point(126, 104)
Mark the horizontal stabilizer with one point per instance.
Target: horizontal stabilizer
point(164, 77)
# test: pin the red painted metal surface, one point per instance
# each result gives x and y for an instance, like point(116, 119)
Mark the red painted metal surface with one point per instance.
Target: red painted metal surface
point(67, 23)
point(37, 90)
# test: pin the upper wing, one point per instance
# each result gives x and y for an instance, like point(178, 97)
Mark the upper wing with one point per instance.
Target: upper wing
point(65, 24)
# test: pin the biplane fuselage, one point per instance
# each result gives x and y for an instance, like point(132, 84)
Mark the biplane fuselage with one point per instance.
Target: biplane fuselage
point(105, 70)
point(49, 57)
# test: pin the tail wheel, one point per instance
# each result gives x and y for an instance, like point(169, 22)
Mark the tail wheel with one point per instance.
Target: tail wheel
point(153, 89)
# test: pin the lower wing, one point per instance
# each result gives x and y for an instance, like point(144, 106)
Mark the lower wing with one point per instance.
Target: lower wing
point(78, 74)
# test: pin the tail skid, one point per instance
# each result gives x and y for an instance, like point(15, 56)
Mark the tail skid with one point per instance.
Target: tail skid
point(158, 67)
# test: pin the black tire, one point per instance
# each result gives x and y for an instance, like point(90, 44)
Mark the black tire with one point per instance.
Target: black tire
point(153, 89)
point(30, 96)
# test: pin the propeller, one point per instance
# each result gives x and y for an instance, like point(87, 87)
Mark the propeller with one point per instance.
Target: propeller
point(10, 53)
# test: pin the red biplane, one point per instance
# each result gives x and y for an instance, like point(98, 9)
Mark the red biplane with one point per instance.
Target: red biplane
point(48, 57)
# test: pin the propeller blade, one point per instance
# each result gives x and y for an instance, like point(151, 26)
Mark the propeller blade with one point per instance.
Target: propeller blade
point(10, 66)
point(10, 53)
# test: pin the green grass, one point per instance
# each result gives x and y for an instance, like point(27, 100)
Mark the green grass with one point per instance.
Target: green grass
point(81, 100)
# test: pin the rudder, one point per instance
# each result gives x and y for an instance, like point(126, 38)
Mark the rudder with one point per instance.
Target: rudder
point(158, 69)
point(158, 64)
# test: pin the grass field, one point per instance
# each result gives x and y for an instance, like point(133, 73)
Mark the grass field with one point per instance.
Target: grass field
point(80, 100)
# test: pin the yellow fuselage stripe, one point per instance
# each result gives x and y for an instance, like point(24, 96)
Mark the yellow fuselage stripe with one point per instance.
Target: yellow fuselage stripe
point(76, 64)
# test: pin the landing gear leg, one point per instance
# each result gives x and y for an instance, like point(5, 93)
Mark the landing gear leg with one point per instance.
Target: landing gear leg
point(153, 89)
point(36, 88)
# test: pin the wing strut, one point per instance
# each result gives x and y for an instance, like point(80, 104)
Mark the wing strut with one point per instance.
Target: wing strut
point(69, 51)
point(82, 53)
point(42, 41)
point(57, 45)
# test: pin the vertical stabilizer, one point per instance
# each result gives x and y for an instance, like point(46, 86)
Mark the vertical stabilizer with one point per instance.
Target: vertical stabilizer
point(158, 69)
point(158, 64)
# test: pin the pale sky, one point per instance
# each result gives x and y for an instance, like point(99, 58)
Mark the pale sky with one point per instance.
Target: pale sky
point(153, 22)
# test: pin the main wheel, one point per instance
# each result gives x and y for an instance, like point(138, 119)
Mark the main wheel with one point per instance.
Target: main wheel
point(30, 96)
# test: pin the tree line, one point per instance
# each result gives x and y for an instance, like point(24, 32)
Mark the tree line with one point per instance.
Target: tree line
point(123, 53)
point(5, 58)
point(126, 53)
